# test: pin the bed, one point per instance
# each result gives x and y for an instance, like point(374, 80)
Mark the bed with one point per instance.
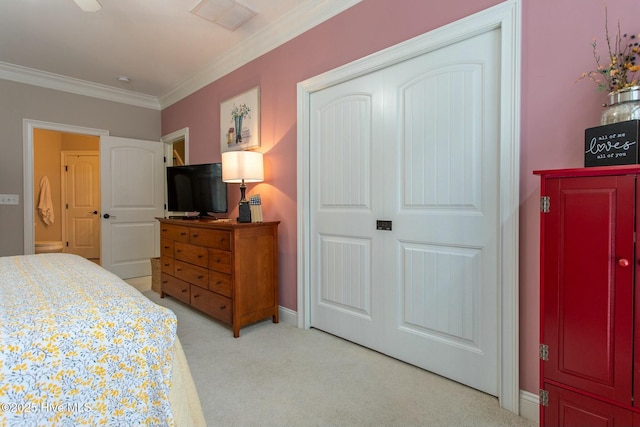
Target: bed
point(79, 346)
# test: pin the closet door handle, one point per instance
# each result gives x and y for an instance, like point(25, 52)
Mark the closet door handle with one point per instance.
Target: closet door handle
point(623, 262)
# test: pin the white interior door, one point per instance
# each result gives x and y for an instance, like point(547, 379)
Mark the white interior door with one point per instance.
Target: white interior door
point(345, 199)
point(82, 203)
point(132, 175)
point(442, 195)
point(426, 291)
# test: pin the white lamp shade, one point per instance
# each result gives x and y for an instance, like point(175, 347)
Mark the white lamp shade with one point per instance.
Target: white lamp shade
point(242, 165)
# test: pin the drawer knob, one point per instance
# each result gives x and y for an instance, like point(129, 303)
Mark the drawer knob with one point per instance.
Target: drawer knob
point(199, 256)
point(200, 277)
point(166, 265)
point(179, 250)
point(166, 247)
point(165, 281)
point(178, 269)
point(195, 235)
point(183, 291)
point(219, 282)
point(217, 259)
point(183, 234)
point(196, 295)
point(222, 307)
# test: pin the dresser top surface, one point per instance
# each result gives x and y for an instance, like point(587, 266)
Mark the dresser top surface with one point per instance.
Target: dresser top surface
point(215, 223)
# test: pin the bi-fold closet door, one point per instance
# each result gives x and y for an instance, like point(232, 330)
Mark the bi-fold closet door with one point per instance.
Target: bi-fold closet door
point(404, 210)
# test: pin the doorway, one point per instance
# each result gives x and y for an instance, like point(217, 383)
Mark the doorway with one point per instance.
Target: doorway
point(52, 189)
point(31, 186)
point(422, 156)
point(49, 148)
point(177, 147)
point(505, 18)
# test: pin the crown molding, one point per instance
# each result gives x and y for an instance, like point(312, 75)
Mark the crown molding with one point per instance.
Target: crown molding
point(48, 80)
point(281, 31)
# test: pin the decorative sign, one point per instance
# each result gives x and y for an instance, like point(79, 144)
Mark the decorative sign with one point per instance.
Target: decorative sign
point(614, 144)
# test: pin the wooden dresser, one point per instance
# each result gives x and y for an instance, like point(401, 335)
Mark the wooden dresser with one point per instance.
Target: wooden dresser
point(227, 270)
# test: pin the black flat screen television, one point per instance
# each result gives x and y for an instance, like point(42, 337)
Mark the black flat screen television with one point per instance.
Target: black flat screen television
point(196, 188)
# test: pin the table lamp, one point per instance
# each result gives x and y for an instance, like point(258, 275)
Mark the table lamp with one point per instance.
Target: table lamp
point(241, 167)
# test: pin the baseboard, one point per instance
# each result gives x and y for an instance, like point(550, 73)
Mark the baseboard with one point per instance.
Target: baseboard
point(288, 316)
point(529, 406)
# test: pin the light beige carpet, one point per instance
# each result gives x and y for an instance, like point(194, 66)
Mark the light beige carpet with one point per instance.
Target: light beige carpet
point(279, 375)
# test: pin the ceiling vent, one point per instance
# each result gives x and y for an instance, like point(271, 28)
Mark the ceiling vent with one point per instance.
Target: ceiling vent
point(88, 5)
point(227, 13)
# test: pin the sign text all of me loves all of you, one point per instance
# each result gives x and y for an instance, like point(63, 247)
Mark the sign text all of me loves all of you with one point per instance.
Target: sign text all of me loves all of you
point(613, 144)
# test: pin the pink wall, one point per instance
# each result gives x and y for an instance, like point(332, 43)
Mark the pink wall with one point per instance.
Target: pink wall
point(555, 35)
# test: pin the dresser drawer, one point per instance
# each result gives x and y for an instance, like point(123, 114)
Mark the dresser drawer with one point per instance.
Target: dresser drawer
point(174, 232)
point(218, 239)
point(192, 254)
point(179, 289)
point(192, 273)
point(166, 264)
point(213, 304)
point(220, 283)
point(220, 260)
point(166, 247)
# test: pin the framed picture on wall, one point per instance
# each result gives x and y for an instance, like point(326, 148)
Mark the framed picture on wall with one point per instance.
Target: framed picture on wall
point(240, 121)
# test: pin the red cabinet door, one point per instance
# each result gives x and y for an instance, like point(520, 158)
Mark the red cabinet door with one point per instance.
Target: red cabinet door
point(588, 264)
point(569, 409)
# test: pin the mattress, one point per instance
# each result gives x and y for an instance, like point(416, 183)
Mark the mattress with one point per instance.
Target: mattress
point(79, 346)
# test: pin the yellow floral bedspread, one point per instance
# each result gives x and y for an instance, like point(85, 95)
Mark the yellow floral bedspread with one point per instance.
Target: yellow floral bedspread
point(78, 346)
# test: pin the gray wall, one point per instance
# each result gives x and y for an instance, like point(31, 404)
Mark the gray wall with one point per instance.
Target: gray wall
point(20, 101)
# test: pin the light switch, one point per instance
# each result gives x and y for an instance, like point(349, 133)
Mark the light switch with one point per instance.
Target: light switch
point(9, 199)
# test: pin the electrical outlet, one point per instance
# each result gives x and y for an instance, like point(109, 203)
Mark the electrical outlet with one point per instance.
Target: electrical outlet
point(9, 199)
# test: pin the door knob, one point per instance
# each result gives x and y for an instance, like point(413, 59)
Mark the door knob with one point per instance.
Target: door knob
point(94, 212)
point(623, 262)
point(107, 216)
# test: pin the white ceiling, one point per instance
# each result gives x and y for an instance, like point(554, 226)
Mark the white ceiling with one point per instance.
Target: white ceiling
point(166, 51)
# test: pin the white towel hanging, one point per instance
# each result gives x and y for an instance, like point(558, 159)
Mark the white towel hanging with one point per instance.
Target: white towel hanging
point(45, 206)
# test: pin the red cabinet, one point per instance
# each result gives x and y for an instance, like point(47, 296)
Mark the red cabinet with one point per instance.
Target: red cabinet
point(589, 261)
point(568, 408)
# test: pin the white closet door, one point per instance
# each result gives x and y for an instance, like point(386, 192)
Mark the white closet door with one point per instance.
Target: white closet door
point(416, 144)
point(346, 166)
point(442, 194)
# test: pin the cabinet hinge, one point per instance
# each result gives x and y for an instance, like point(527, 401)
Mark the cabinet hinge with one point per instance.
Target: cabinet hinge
point(544, 397)
point(544, 352)
point(545, 204)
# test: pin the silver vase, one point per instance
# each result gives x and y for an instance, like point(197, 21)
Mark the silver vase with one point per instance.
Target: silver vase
point(624, 104)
